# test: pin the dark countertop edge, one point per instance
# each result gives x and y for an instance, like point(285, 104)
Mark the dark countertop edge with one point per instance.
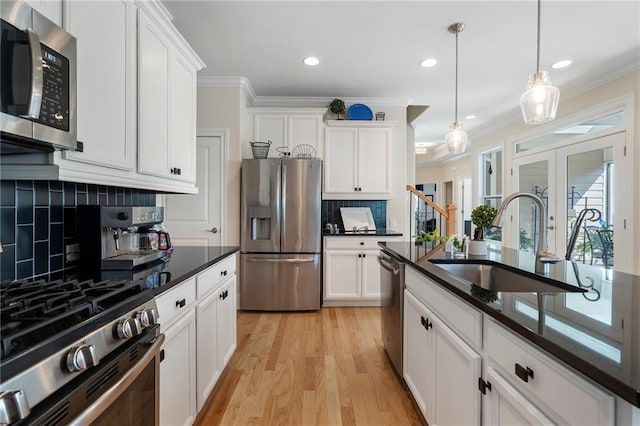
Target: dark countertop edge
point(613, 384)
point(179, 279)
point(351, 234)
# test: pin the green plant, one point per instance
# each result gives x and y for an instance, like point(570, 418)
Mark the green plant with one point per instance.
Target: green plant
point(431, 237)
point(337, 106)
point(482, 217)
point(526, 243)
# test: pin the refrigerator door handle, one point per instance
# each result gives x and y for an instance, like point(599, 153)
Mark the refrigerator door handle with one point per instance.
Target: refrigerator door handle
point(283, 208)
point(272, 260)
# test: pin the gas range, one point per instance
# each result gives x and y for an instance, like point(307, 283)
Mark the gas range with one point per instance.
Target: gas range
point(53, 333)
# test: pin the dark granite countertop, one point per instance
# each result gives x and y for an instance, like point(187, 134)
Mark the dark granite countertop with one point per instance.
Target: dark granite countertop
point(380, 232)
point(183, 263)
point(596, 332)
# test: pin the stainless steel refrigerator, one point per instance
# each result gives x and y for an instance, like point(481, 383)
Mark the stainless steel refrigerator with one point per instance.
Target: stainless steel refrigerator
point(280, 252)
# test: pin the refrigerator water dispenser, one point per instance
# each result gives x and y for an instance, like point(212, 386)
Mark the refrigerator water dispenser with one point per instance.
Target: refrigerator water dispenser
point(260, 223)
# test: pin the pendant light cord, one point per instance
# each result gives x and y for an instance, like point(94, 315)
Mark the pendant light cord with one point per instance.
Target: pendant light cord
point(456, 103)
point(538, 51)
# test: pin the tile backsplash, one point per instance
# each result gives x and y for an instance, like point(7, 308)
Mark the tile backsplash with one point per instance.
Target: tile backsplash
point(38, 219)
point(331, 211)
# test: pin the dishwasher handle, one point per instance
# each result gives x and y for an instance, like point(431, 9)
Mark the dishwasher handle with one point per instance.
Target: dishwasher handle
point(388, 266)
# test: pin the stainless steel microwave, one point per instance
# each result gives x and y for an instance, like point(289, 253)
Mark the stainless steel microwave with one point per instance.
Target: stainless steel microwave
point(38, 82)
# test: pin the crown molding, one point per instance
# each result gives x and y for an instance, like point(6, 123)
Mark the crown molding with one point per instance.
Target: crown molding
point(241, 82)
point(292, 101)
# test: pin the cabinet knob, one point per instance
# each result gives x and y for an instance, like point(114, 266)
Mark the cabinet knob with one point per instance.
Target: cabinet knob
point(361, 243)
point(484, 386)
point(524, 372)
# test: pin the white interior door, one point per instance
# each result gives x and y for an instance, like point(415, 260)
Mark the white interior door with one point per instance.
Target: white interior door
point(197, 220)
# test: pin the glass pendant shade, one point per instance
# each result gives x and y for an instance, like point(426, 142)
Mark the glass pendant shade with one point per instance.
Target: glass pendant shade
point(539, 103)
point(456, 139)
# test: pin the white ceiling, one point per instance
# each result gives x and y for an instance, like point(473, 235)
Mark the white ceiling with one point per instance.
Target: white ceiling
point(372, 49)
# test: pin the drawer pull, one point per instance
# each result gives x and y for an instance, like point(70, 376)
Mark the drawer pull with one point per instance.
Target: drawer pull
point(524, 372)
point(180, 303)
point(223, 273)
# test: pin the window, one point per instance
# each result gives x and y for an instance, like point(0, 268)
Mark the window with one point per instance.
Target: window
point(491, 179)
point(587, 126)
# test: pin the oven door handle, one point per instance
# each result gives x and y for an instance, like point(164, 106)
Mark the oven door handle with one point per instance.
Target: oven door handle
point(101, 404)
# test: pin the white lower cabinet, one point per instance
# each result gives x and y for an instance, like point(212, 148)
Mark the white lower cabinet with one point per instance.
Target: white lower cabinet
point(178, 372)
point(198, 318)
point(504, 405)
point(447, 341)
point(440, 369)
point(226, 324)
point(352, 271)
point(564, 396)
point(216, 317)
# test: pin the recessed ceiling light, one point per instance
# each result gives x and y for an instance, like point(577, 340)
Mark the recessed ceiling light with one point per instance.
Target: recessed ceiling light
point(429, 62)
point(469, 117)
point(561, 64)
point(312, 61)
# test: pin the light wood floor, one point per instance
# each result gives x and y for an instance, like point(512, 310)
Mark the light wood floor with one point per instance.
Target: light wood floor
point(326, 368)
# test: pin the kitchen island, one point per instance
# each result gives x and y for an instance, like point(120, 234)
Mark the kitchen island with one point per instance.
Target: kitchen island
point(594, 330)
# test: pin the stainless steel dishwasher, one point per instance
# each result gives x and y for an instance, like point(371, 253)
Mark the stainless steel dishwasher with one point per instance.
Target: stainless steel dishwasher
point(392, 289)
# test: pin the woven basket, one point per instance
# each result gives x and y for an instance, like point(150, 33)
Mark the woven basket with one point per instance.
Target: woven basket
point(260, 149)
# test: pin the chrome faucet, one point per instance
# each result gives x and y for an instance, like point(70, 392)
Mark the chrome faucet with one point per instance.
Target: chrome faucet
point(542, 255)
point(595, 216)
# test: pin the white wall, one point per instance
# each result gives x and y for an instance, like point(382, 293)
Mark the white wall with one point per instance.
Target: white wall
point(223, 107)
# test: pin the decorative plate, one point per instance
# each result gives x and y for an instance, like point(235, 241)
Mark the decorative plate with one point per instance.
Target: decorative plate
point(359, 112)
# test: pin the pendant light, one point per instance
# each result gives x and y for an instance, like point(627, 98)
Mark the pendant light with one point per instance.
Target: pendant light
point(457, 138)
point(540, 102)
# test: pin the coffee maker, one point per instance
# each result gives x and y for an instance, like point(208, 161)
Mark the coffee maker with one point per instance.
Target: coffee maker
point(120, 238)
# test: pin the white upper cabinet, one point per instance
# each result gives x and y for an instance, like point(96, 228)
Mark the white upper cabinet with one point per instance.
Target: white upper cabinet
point(183, 120)
point(51, 9)
point(166, 102)
point(286, 129)
point(106, 81)
point(136, 93)
point(153, 90)
point(357, 160)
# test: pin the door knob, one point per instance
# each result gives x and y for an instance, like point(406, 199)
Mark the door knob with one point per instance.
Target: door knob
point(551, 227)
point(213, 230)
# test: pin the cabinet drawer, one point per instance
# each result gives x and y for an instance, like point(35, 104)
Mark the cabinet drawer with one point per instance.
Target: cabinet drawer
point(176, 302)
point(576, 400)
point(355, 243)
point(216, 274)
point(465, 320)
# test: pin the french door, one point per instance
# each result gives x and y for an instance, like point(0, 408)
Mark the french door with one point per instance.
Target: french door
point(593, 174)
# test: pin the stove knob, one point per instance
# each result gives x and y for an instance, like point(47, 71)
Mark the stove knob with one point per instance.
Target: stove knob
point(82, 357)
point(127, 328)
point(13, 406)
point(147, 317)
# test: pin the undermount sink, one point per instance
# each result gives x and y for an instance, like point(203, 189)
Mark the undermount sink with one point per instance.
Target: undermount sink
point(496, 277)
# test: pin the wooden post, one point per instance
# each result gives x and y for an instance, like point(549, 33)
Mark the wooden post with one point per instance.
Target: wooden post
point(451, 219)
